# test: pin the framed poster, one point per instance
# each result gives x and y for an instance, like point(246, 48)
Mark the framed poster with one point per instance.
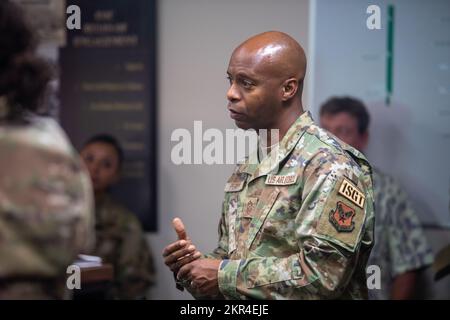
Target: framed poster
point(108, 86)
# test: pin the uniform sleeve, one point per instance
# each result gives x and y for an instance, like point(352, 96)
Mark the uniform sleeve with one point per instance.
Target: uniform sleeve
point(135, 263)
point(328, 230)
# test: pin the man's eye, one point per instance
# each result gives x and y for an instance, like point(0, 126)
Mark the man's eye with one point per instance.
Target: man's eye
point(247, 84)
point(230, 80)
point(107, 164)
point(88, 158)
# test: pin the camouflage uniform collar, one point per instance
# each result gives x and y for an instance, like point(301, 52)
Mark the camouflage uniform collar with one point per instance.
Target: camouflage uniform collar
point(360, 157)
point(293, 135)
point(271, 162)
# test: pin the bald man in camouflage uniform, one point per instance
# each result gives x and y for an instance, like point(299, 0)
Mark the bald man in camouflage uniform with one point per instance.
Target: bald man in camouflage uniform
point(46, 209)
point(290, 230)
point(297, 223)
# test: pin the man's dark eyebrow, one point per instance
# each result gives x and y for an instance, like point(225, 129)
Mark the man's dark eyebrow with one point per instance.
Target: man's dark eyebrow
point(241, 74)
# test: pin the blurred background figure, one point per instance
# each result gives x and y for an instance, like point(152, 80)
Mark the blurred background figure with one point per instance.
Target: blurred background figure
point(401, 249)
point(120, 240)
point(46, 208)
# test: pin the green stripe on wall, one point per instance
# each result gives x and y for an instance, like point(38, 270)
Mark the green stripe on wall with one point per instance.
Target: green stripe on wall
point(390, 54)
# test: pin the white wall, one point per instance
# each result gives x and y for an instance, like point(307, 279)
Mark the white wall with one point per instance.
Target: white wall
point(196, 38)
point(403, 134)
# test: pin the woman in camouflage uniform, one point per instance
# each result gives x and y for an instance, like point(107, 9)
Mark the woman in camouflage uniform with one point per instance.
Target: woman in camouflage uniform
point(120, 240)
point(46, 207)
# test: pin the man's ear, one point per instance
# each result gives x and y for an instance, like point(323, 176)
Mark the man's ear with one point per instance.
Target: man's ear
point(290, 87)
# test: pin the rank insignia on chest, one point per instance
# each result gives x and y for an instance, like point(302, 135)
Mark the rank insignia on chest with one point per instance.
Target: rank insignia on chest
point(250, 206)
point(342, 217)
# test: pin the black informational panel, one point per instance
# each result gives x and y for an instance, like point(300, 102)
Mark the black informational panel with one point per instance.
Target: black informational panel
point(108, 86)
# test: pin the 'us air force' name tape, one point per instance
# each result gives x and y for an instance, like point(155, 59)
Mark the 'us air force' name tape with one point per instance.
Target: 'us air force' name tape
point(281, 180)
point(352, 193)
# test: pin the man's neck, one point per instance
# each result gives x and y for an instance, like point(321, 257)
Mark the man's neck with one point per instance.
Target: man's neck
point(283, 124)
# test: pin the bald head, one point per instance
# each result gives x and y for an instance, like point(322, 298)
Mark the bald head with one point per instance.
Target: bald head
point(266, 75)
point(276, 53)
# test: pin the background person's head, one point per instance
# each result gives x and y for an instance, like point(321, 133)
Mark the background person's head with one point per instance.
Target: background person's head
point(348, 119)
point(23, 76)
point(103, 157)
point(266, 74)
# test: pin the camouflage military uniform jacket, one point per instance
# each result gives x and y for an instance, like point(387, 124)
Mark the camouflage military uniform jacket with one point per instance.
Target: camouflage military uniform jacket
point(299, 227)
point(46, 209)
point(120, 241)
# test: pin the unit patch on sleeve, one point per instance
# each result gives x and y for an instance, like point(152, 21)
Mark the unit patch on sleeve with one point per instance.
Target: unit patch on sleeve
point(342, 217)
point(352, 193)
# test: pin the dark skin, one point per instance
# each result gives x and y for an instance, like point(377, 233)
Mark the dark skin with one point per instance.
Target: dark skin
point(266, 75)
point(102, 161)
point(182, 251)
point(266, 79)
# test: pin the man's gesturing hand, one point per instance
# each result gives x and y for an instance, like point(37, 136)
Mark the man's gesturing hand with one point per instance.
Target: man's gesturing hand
point(180, 252)
point(203, 276)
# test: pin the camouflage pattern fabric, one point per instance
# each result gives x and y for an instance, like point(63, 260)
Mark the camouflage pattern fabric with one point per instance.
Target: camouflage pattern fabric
point(400, 245)
point(120, 241)
point(46, 209)
point(299, 227)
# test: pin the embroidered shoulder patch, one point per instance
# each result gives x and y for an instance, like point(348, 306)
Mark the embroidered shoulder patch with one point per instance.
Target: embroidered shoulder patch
point(342, 217)
point(341, 220)
point(352, 193)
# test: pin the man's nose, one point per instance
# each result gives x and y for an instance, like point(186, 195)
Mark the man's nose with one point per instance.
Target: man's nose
point(93, 168)
point(233, 94)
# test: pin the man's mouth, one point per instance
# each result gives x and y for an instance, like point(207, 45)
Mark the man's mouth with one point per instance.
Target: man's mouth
point(236, 115)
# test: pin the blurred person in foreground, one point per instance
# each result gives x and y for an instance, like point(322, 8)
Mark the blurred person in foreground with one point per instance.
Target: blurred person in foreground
point(401, 249)
point(46, 203)
point(120, 239)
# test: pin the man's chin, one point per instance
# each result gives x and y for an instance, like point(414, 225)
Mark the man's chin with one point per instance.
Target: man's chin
point(242, 125)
